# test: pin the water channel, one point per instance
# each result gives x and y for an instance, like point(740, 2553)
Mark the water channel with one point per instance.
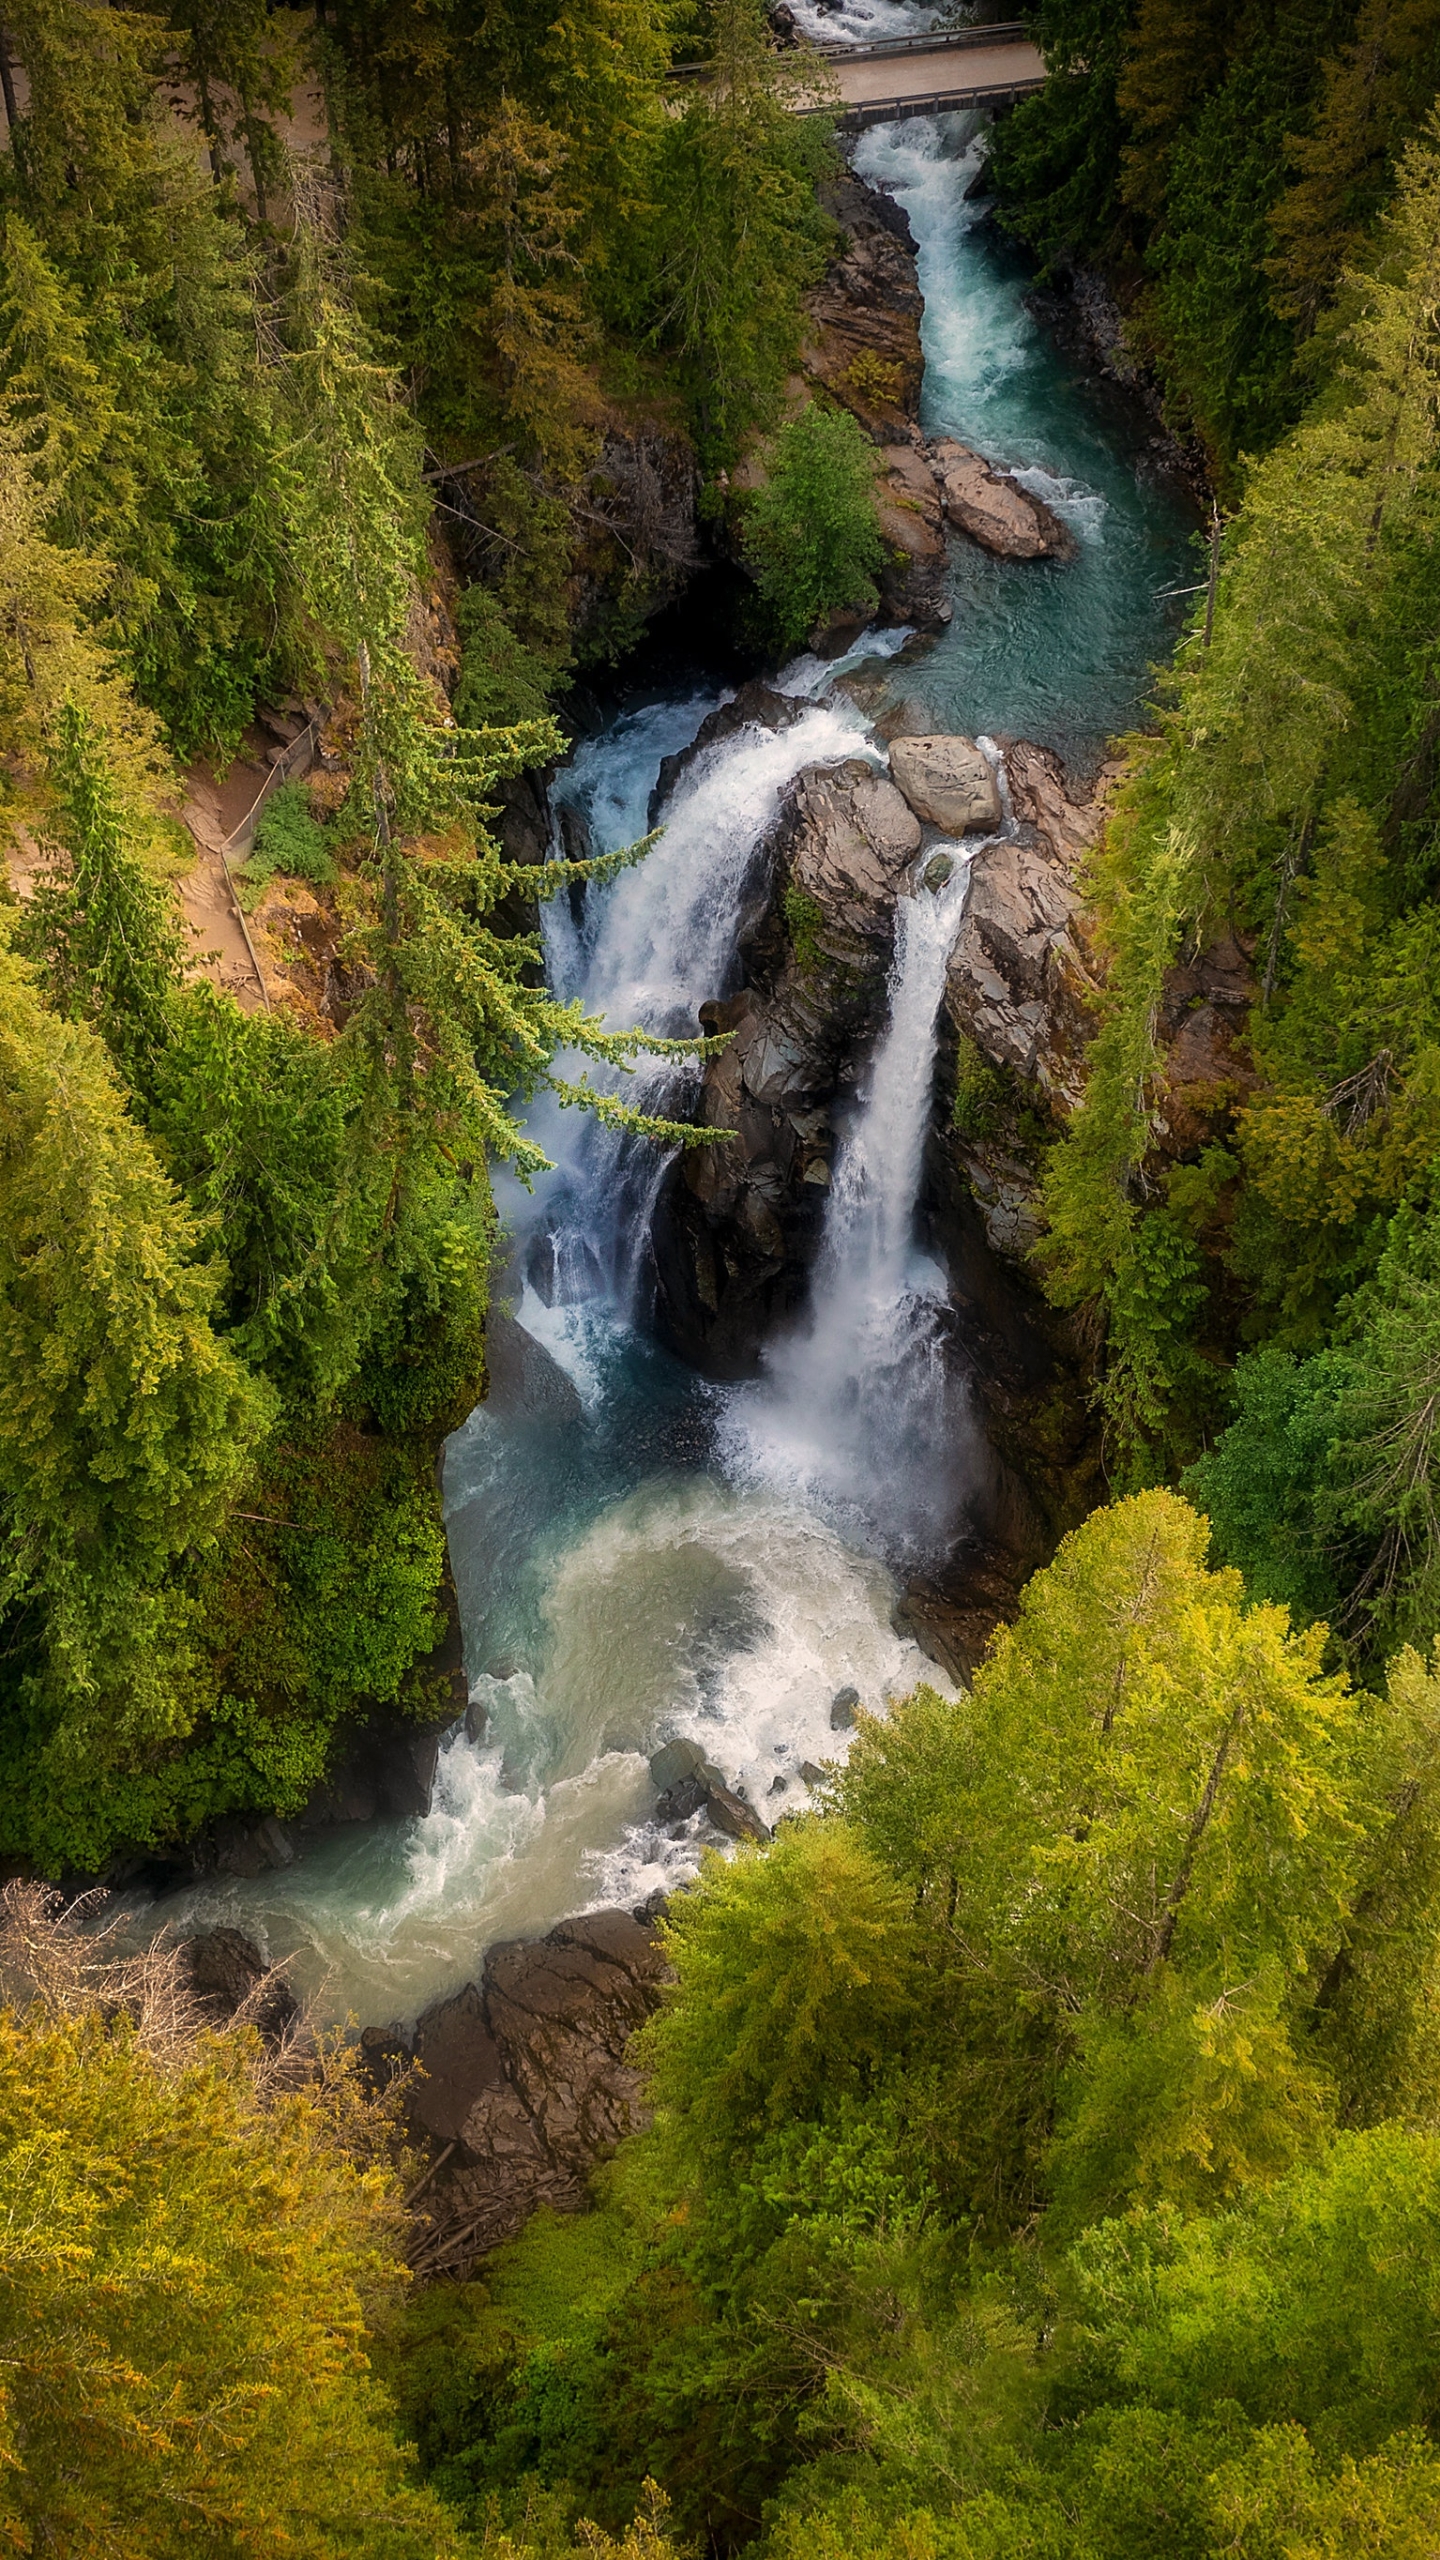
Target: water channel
point(639, 1554)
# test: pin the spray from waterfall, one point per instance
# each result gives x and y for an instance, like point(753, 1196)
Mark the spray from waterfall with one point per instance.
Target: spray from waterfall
point(861, 1412)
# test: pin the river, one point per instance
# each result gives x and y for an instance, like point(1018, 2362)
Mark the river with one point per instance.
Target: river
point(640, 1555)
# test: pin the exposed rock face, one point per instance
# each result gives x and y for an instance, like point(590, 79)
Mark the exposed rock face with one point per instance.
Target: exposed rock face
point(862, 343)
point(738, 1224)
point(1019, 989)
point(995, 511)
point(948, 782)
point(914, 583)
point(641, 542)
point(1203, 1027)
point(230, 1977)
point(525, 2075)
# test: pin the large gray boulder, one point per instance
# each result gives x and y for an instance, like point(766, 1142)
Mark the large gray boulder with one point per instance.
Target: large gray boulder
point(995, 511)
point(949, 783)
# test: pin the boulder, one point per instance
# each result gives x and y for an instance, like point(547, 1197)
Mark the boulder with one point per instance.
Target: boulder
point(231, 1979)
point(995, 511)
point(522, 1378)
point(523, 2082)
point(842, 1710)
point(732, 1815)
point(562, 2013)
point(673, 1761)
point(460, 2063)
point(948, 782)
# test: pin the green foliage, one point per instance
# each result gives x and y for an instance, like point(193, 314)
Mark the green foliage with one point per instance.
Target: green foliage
point(804, 916)
point(502, 683)
point(289, 839)
point(1043, 2160)
point(102, 928)
point(128, 346)
point(126, 1428)
point(1289, 794)
point(812, 533)
point(980, 1093)
point(737, 233)
point(187, 2287)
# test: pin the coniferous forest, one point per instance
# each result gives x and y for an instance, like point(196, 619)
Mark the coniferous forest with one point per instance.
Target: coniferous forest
point(1042, 2151)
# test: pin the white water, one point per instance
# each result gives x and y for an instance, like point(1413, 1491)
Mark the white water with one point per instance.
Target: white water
point(859, 1413)
point(663, 1557)
point(861, 21)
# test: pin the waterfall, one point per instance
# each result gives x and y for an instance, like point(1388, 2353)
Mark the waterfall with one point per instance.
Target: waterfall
point(860, 1412)
point(651, 949)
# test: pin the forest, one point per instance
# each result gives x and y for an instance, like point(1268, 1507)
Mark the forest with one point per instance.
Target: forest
point(1045, 2157)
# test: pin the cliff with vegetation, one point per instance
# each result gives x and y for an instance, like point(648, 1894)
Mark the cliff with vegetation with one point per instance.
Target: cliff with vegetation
point(1031, 2149)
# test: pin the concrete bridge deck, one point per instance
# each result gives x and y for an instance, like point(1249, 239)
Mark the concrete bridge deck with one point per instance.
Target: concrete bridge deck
point(927, 75)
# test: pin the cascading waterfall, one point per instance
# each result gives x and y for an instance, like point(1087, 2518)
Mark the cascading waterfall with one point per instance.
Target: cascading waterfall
point(639, 1554)
point(860, 1412)
point(651, 949)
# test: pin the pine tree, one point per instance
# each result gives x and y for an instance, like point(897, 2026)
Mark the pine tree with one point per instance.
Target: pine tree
point(125, 1426)
point(103, 929)
point(1376, 90)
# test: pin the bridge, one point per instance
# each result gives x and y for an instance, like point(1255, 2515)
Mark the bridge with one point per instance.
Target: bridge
point(929, 75)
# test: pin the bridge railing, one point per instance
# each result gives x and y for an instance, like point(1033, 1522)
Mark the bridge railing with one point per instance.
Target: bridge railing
point(953, 39)
point(930, 102)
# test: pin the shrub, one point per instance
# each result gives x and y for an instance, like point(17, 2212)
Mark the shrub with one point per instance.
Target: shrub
point(812, 534)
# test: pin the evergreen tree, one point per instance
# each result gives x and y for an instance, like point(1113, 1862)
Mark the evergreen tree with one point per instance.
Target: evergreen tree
point(812, 534)
point(129, 316)
point(1376, 89)
point(125, 1427)
point(103, 929)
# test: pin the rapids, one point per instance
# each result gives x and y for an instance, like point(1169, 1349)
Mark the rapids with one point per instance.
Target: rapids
point(639, 1554)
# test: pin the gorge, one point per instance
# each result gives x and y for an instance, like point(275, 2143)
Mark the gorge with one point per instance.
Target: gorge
point(706, 1510)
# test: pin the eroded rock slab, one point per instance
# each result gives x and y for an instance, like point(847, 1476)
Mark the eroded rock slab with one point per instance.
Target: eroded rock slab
point(524, 2079)
point(995, 511)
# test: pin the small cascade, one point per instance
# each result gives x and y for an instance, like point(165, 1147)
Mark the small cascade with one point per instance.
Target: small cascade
point(651, 949)
point(861, 1413)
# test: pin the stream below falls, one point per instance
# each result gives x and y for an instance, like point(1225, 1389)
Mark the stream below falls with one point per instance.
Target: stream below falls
point(639, 1554)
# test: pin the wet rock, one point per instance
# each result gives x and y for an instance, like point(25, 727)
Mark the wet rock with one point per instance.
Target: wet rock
point(522, 1377)
point(939, 871)
point(732, 1815)
point(526, 2082)
point(995, 511)
point(948, 782)
point(842, 1709)
point(737, 1224)
point(405, 1774)
point(228, 1973)
point(680, 1801)
point(757, 705)
point(460, 2064)
point(942, 1628)
point(675, 1760)
point(813, 1776)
